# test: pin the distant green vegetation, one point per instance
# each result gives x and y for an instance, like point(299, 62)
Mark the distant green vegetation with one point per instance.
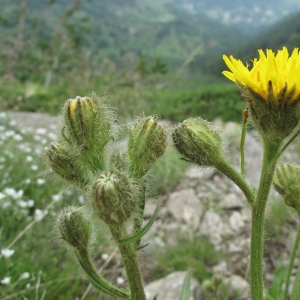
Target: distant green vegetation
point(285, 33)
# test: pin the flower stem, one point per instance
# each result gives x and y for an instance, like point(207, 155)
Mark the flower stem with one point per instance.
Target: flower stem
point(291, 264)
point(130, 261)
point(98, 281)
point(231, 173)
point(258, 215)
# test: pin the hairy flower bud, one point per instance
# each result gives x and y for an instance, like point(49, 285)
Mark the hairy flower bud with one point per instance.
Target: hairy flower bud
point(64, 165)
point(287, 182)
point(147, 142)
point(199, 142)
point(114, 198)
point(88, 128)
point(75, 229)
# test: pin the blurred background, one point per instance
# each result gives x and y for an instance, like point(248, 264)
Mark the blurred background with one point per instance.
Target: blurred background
point(156, 56)
point(161, 57)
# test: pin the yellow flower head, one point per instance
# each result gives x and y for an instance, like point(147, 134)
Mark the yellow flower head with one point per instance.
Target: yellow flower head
point(275, 78)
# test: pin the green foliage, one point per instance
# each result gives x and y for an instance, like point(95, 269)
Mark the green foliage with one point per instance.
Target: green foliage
point(208, 102)
point(196, 255)
point(276, 290)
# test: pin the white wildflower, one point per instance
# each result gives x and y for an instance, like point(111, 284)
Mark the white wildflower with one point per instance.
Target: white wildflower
point(7, 252)
point(13, 123)
point(81, 199)
point(18, 137)
point(23, 203)
point(40, 181)
point(41, 131)
point(6, 280)
point(39, 214)
point(104, 256)
point(30, 203)
point(9, 133)
point(34, 167)
point(120, 280)
point(56, 197)
point(25, 275)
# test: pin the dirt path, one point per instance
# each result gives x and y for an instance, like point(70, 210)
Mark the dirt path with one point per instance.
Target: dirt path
point(33, 120)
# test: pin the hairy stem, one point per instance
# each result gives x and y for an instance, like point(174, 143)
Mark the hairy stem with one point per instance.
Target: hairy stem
point(258, 216)
point(96, 280)
point(231, 173)
point(131, 264)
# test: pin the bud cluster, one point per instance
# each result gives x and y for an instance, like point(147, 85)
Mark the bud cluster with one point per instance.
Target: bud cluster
point(88, 155)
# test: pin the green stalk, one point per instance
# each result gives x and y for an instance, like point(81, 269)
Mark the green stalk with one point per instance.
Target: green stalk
point(98, 281)
point(131, 264)
point(258, 216)
point(296, 288)
point(231, 173)
point(291, 264)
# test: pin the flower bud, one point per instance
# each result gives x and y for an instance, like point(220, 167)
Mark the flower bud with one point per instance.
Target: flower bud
point(88, 125)
point(66, 167)
point(287, 182)
point(114, 198)
point(147, 142)
point(199, 142)
point(75, 229)
point(208, 287)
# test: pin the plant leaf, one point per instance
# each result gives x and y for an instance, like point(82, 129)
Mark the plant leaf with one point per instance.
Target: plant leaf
point(144, 230)
point(185, 291)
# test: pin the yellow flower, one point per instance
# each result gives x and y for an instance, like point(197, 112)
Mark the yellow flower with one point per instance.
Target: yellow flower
point(275, 78)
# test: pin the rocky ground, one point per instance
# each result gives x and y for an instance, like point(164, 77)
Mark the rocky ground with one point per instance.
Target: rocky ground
point(207, 203)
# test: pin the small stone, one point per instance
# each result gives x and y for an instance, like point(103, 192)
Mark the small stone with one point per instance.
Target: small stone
point(236, 221)
point(237, 288)
point(221, 267)
point(169, 287)
point(185, 206)
point(232, 202)
point(212, 227)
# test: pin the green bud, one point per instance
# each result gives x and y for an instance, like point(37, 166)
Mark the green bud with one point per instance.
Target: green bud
point(199, 142)
point(287, 182)
point(208, 287)
point(75, 229)
point(147, 142)
point(64, 165)
point(88, 127)
point(217, 279)
point(114, 198)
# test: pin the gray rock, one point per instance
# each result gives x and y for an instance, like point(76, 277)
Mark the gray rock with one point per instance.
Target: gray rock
point(237, 288)
point(169, 287)
point(212, 227)
point(232, 202)
point(185, 206)
point(236, 221)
